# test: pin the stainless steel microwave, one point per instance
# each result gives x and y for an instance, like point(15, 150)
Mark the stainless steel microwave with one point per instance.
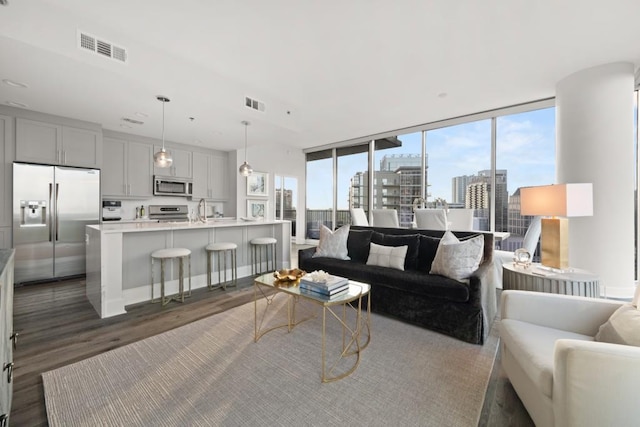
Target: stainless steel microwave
point(170, 186)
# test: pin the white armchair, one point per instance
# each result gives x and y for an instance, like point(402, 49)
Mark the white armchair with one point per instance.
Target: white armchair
point(562, 376)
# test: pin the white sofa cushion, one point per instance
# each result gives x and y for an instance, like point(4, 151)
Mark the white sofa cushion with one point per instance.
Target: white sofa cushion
point(533, 346)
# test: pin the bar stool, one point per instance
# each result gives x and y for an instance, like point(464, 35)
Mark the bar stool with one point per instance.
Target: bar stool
point(220, 250)
point(169, 254)
point(258, 246)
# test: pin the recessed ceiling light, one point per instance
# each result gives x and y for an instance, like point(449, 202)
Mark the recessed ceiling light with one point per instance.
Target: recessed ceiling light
point(16, 104)
point(14, 83)
point(140, 114)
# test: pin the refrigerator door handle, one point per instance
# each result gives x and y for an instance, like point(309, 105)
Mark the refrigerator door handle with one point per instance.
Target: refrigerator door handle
point(57, 210)
point(50, 211)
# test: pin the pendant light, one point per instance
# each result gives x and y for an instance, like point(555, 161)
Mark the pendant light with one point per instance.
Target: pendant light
point(162, 159)
point(245, 168)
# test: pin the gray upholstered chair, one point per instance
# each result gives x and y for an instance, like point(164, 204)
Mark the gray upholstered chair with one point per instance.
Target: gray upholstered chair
point(385, 218)
point(359, 217)
point(431, 219)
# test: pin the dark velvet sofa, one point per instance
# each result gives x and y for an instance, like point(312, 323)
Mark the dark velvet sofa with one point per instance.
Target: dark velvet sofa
point(461, 310)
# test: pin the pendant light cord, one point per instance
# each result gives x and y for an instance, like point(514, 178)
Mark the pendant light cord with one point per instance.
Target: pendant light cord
point(163, 102)
point(246, 125)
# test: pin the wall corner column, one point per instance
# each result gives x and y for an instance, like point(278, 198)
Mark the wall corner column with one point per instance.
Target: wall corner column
point(594, 143)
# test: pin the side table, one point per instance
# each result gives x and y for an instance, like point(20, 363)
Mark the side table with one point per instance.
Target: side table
point(576, 282)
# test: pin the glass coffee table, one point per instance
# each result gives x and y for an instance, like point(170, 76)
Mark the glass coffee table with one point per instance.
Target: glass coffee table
point(352, 334)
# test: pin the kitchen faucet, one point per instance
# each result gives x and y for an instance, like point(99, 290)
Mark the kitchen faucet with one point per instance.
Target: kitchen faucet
point(202, 217)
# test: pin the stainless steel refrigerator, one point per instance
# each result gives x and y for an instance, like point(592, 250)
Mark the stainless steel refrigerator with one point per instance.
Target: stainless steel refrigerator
point(51, 207)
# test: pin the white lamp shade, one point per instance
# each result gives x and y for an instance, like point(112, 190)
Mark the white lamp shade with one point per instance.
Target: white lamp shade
point(564, 200)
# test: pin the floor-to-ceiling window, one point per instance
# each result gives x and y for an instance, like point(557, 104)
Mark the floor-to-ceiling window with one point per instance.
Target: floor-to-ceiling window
point(397, 174)
point(352, 181)
point(287, 200)
point(459, 170)
point(319, 192)
point(525, 151)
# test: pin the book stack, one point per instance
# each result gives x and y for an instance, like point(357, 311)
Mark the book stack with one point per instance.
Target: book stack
point(323, 284)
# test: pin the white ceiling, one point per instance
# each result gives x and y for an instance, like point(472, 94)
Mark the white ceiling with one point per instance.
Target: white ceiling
point(327, 71)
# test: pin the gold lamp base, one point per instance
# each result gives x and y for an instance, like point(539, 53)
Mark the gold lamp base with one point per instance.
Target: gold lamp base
point(555, 242)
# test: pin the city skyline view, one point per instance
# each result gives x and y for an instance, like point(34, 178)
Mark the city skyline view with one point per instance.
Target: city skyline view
point(525, 148)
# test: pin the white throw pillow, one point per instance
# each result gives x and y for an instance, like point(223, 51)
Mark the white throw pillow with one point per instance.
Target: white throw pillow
point(457, 259)
point(333, 244)
point(387, 256)
point(623, 327)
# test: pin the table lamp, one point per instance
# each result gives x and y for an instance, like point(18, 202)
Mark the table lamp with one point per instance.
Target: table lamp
point(559, 202)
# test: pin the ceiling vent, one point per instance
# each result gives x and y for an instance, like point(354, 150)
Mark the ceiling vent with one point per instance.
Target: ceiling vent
point(132, 121)
point(254, 104)
point(88, 42)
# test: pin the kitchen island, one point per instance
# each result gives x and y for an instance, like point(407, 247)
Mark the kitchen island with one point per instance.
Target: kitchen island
point(119, 256)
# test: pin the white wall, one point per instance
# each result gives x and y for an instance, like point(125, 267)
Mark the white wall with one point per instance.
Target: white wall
point(275, 160)
point(595, 143)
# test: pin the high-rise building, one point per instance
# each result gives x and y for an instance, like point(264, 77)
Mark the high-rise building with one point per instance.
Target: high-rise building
point(478, 193)
point(396, 186)
point(459, 188)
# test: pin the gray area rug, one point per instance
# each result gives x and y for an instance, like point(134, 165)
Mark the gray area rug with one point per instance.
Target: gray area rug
point(211, 372)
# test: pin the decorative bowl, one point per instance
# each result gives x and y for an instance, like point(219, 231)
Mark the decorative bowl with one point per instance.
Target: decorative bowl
point(288, 277)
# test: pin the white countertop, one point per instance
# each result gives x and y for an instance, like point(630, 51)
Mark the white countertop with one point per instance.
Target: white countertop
point(142, 226)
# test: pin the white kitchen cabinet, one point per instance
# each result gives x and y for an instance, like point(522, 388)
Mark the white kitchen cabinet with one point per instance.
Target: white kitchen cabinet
point(49, 143)
point(209, 176)
point(219, 177)
point(81, 147)
point(128, 171)
point(181, 166)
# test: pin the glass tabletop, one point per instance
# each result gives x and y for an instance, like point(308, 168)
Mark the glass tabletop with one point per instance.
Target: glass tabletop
point(355, 291)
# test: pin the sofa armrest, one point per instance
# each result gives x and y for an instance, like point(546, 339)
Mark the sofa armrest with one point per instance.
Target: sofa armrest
point(595, 384)
point(482, 293)
point(565, 312)
point(306, 253)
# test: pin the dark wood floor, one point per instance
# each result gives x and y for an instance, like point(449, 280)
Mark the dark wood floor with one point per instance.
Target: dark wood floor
point(58, 326)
